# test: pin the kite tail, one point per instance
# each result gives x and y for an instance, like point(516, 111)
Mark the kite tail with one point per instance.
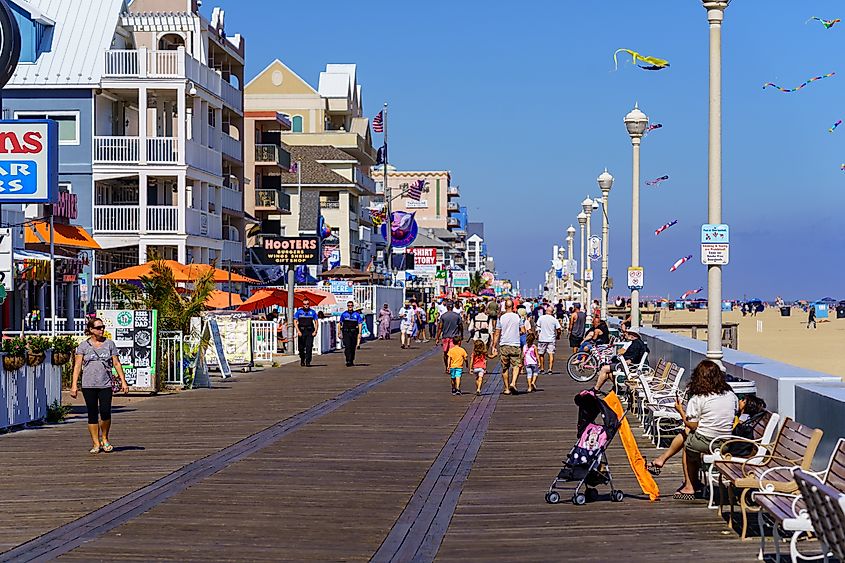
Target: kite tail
point(616, 61)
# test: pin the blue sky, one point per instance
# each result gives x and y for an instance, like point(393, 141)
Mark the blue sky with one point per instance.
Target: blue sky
point(524, 109)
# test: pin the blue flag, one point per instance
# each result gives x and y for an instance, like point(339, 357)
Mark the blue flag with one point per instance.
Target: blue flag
point(381, 155)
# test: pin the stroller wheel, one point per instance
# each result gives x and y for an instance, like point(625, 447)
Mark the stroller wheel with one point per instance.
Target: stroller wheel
point(579, 499)
point(617, 495)
point(592, 494)
point(552, 497)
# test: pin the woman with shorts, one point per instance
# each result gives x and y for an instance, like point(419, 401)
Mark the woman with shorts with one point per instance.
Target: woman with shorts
point(95, 358)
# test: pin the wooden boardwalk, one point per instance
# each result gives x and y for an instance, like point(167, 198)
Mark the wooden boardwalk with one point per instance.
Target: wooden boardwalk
point(374, 462)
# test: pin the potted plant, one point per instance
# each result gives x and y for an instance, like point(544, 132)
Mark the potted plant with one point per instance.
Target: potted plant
point(14, 353)
point(63, 349)
point(37, 347)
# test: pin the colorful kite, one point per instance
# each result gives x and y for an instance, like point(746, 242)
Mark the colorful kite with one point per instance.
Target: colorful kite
point(653, 62)
point(657, 181)
point(652, 127)
point(842, 167)
point(826, 23)
point(835, 125)
point(767, 84)
point(680, 263)
point(691, 292)
point(664, 227)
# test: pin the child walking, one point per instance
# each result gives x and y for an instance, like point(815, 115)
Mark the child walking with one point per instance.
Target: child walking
point(479, 363)
point(457, 359)
point(530, 361)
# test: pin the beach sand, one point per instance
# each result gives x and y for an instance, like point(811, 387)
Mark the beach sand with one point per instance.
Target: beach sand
point(785, 339)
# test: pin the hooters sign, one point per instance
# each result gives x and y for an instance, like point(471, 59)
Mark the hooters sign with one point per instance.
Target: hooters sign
point(29, 169)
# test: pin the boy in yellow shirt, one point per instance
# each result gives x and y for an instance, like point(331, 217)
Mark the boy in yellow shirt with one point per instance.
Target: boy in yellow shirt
point(457, 360)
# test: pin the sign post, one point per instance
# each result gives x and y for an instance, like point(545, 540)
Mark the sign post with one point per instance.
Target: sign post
point(635, 277)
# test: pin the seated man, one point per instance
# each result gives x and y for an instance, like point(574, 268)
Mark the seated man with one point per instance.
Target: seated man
point(633, 355)
point(597, 335)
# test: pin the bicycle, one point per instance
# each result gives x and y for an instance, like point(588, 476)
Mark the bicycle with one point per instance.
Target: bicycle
point(584, 366)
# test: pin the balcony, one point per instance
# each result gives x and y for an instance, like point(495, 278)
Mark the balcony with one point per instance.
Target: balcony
point(204, 158)
point(232, 199)
point(453, 191)
point(232, 147)
point(232, 97)
point(127, 219)
point(272, 154)
point(460, 245)
point(453, 207)
point(364, 181)
point(329, 203)
point(203, 224)
point(233, 250)
point(453, 222)
point(127, 150)
point(272, 200)
point(162, 219)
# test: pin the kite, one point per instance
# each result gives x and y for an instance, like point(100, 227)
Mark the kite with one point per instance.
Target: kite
point(842, 167)
point(691, 292)
point(664, 227)
point(652, 127)
point(826, 23)
point(656, 181)
point(835, 125)
point(653, 62)
point(767, 84)
point(680, 263)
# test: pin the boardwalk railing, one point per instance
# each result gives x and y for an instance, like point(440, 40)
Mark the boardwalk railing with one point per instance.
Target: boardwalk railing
point(264, 341)
point(171, 356)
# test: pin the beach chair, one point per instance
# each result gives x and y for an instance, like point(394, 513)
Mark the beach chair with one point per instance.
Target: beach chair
point(795, 444)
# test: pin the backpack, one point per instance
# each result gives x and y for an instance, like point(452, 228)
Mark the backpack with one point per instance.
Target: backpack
point(745, 430)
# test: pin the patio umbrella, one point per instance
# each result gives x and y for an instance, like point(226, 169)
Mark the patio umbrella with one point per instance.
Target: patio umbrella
point(143, 270)
point(344, 272)
point(269, 297)
point(220, 300)
point(317, 296)
point(195, 271)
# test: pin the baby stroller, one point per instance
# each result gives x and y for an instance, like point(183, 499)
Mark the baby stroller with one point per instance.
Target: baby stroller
point(587, 461)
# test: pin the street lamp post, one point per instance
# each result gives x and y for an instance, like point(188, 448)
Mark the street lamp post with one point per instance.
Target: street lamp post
point(582, 220)
point(587, 206)
point(636, 123)
point(570, 237)
point(715, 15)
point(605, 181)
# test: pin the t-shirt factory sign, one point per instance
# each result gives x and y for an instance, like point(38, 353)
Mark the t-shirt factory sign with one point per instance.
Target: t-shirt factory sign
point(425, 259)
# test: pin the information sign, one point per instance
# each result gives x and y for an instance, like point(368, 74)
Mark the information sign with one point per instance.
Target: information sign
point(594, 248)
point(134, 332)
point(29, 163)
point(636, 277)
point(715, 244)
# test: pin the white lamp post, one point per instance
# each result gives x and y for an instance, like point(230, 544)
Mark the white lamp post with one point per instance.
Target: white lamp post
point(587, 206)
point(605, 181)
point(570, 237)
point(715, 15)
point(582, 220)
point(636, 123)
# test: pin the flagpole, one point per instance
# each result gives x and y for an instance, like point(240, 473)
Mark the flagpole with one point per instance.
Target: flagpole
point(387, 201)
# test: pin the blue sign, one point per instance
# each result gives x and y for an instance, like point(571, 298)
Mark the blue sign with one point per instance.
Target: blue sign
point(340, 287)
point(29, 161)
point(715, 234)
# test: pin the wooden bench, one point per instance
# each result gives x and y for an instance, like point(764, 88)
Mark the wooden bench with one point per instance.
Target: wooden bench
point(795, 444)
point(826, 509)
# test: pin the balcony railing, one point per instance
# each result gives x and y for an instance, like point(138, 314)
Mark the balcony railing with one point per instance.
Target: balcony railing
point(163, 150)
point(233, 251)
point(232, 96)
point(330, 203)
point(162, 219)
point(268, 154)
point(204, 224)
point(365, 181)
point(204, 158)
point(272, 200)
point(453, 222)
point(232, 199)
point(453, 192)
point(453, 207)
point(232, 147)
point(127, 150)
point(116, 219)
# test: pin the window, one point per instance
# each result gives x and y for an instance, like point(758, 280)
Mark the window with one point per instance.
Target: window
point(296, 124)
point(68, 123)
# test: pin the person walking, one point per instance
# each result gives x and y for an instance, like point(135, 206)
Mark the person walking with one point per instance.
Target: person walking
point(506, 341)
point(384, 317)
point(457, 360)
point(94, 360)
point(530, 361)
point(433, 313)
point(305, 323)
point(449, 327)
point(549, 330)
point(479, 363)
point(406, 325)
point(577, 324)
point(811, 319)
point(350, 327)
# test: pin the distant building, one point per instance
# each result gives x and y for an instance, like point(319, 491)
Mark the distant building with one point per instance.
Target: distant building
point(476, 252)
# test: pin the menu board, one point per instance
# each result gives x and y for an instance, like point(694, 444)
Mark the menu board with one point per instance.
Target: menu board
point(135, 334)
point(235, 334)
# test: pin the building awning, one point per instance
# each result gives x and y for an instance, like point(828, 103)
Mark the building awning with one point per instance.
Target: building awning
point(68, 236)
point(21, 254)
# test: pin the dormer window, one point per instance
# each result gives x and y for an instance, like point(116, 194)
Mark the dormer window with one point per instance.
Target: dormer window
point(36, 32)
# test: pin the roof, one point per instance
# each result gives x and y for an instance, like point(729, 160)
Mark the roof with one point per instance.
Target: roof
point(425, 241)
point(338, 81)
point(312, 171)
point(442, 234)
point(84, 30)
point(476, 228)
point(36, 13)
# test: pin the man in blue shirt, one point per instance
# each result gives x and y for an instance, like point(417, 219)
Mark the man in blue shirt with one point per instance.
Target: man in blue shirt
point(350, 327)
point(305, 323)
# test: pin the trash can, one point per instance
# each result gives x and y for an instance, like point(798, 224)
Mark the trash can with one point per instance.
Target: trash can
point(840, 312)
point(785, 311)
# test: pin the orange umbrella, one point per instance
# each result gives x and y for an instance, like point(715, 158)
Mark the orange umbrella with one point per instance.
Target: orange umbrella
point(220, 276)
point(269, 297)
point(142, 270)
point(220, 300)
point(318, 296)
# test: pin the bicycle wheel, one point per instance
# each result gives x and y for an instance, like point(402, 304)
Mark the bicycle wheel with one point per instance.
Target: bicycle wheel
point(582, 366)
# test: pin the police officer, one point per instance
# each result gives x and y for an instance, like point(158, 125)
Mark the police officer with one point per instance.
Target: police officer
point(305, 322)
point(350, 326)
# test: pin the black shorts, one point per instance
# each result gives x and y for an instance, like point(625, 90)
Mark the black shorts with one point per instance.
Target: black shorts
point(574, 341)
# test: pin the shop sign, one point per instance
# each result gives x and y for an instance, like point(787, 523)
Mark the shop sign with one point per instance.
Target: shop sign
point(425, 259)
point(134, 332)
point(65, 206)
point(29, 170)
point(289, 251)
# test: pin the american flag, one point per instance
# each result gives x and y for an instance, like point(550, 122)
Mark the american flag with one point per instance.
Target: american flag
point(378, 122)
point(416, 189)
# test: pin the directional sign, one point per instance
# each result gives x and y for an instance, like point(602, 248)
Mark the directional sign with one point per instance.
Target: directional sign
point(29, 150)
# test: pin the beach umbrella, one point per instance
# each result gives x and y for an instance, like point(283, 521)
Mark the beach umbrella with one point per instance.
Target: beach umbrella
point(220, 300)
point(269, 297)
point(195, 271)
point(134, 273)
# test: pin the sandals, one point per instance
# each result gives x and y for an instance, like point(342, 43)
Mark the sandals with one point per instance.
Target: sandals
point(94, 450)
point(107, 447)
point(683, 496)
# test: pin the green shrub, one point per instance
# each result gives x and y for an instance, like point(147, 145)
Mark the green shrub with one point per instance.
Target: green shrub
point(57, 412)
point(15, 346)
point(37, 344)
point(64, 344)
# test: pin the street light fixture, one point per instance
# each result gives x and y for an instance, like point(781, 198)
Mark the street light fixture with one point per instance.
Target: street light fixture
point(605, 181)
point(588, 205)
point(570, 237)
point(636, 123)
point(582, 220)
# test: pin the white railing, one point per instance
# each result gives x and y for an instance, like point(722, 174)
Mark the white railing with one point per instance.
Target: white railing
point(264, 341)
point(122, 62)
point(232, 96)
point(232, 199)
point(232, 147)
point(116, 219)
point(203, 75)
point(171, 356)
point(204, 224)
point(166, 64)
point(162, 219)
point(233, 250)
point(204, 158)
point(143, 63)
point(75, 326)
point(163, 150)
point(116, 150)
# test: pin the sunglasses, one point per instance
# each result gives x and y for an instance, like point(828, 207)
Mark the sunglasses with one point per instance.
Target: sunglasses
point(98, 327)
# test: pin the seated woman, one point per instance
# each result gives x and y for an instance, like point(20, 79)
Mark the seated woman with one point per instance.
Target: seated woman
point(634, 350)
point(710, 412)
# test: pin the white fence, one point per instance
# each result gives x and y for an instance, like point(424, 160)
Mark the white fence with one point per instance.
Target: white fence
point(26, 394)
point(171, 356)
point(264, 341)
point(116, 219)
point(373, 297)
point(163, 218)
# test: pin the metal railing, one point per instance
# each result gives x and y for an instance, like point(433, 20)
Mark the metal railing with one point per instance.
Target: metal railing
point(268, 154)
point(264, 341)
point(171, 357)
point(273, 199)
point(330, 203)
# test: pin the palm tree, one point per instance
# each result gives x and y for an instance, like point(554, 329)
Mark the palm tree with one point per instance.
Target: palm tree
point(477, 282)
